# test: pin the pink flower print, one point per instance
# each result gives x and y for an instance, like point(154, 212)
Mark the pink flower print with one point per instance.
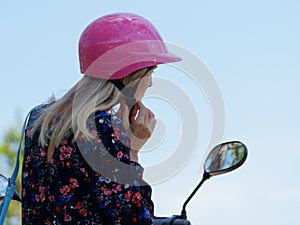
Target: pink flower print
point(41, 196)
point(27, 133)
point(42, 189)
point(47, 222)
point(134, 219)
point(69, 164)
point(65, 190)
point(67, 218)
point(83, 212)
point(106, 191)
point(119, 154)
point(73, 182)
point(117, 188)
point(84, 172)
point(116, 133)
point(78, 206)
point(137, 199)
point(94, 133)
point(43, 152)
point(65, 152)
point(51, 197)
point(128, 195)
point(28, 159)
point(23, 192)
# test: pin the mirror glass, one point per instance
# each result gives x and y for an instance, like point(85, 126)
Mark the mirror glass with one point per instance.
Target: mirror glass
point(3, 185)
point(225, 157)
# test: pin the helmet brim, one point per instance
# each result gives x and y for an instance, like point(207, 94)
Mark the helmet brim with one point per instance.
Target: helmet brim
point(119, 67)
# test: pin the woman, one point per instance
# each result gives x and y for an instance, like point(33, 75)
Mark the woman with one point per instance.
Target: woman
point(81, 151)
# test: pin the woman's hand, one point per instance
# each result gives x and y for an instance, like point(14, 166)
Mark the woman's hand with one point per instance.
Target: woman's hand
point(139, 124)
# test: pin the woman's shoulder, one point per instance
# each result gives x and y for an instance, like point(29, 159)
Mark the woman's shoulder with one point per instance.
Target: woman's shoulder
point(38, 109)
point(35, 112)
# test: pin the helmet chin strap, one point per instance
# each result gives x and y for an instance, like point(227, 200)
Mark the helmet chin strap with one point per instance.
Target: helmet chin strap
point(129, 91)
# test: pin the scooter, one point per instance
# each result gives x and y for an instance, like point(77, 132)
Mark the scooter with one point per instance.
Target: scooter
point(223, 158)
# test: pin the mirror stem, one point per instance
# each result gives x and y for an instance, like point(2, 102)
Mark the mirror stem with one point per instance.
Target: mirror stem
point(205, 177)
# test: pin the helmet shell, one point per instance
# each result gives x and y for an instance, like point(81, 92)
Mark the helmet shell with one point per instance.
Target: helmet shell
point(115, 45)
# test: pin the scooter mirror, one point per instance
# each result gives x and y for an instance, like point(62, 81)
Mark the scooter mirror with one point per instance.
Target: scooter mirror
point(3, 186)
point(225, 157)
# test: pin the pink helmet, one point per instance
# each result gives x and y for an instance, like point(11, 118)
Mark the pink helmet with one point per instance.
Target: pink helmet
point(116, 45)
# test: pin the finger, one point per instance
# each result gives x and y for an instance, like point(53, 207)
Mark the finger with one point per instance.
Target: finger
point(149, 116)
point(142, 111)
point(132, 114)
point(153, 123)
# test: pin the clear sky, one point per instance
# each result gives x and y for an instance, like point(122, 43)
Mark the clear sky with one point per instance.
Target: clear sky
point(251, 47)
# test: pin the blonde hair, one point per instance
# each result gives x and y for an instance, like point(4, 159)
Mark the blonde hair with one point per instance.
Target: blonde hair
point(69, 114)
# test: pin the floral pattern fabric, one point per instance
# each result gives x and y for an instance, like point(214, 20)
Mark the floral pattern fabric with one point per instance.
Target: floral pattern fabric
point(87, 182)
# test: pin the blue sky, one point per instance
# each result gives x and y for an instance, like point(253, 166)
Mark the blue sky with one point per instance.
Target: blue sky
point(251, 47)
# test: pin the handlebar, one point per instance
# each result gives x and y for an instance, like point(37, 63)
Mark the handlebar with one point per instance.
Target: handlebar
point(174, 220)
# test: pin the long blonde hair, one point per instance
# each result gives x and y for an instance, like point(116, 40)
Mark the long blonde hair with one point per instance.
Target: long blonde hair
point(70, 113)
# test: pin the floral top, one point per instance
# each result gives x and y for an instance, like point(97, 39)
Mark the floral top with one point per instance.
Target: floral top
point(87, 181)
